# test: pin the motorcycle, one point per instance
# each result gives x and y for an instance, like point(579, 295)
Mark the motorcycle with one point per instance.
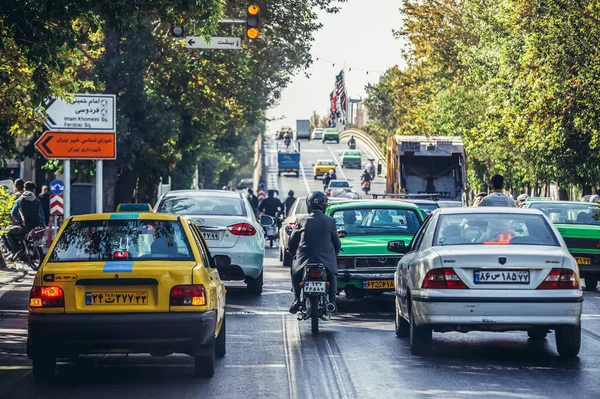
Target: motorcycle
point(352, 145)
point(272, 231)
point(287, 142)
point(314, 296)
point(32, 242)
point(366, 187)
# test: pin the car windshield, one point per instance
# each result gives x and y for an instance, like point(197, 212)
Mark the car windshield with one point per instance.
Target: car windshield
point(339, 184)
point(371, 221)
point(493, 229)
point(326, 163)
point(428, 208)
point(203, 205)
point(570, 212)
point(121, 240)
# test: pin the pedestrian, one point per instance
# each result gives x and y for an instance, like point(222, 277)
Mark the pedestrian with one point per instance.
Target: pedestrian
point(253, 200)
point(44, 198)
point(19, 187)
point(289, 202)
point(478, 198)
point(497, 197)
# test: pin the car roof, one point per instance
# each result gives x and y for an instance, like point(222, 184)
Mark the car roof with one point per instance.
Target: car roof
point(203, 193)
point(488, 209)
point(368, 203)
point(126, 216)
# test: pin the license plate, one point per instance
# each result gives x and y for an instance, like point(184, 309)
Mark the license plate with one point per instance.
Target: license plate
point(501, 277)
point(314, 286)
point(116, 298)
point(211, 236)
point(378, 284)
point(583, 261)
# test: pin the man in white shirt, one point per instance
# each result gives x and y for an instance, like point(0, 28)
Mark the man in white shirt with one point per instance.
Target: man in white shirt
point(497, 198)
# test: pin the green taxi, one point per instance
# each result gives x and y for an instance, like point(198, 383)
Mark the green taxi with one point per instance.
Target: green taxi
point(351, 159)
point(579, 225)
point(365, 266)
point(331, 134)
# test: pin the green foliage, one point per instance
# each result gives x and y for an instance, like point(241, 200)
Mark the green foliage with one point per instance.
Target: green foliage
point(517, 79)
point(7, 201)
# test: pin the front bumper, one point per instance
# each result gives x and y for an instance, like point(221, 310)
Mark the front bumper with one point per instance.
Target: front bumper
point(73, 334)
point(500, 313)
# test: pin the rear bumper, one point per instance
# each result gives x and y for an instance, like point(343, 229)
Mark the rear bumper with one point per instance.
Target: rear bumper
point(72, 334)
point(593, 268)
point(249, 261)
point(497, 313)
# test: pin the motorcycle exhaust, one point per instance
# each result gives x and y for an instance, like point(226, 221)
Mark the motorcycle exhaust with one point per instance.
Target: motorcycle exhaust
point(330, 307)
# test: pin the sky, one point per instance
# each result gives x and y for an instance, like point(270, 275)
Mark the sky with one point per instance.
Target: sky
point(359, 37)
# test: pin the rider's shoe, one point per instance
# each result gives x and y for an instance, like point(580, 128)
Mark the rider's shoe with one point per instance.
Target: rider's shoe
point(295, 307)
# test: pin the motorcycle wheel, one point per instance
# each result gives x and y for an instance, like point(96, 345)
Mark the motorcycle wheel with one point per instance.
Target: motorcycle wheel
point(33, 257)
point(270, 243)
point(314, 313)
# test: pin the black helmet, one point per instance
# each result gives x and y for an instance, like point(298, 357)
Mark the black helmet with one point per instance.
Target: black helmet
point(316, 201)
point(291, 193)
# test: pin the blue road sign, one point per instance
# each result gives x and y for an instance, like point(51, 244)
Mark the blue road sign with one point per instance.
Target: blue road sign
point(57, 187)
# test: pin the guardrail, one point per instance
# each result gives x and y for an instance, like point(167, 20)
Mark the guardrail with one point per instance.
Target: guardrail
point(369, 142)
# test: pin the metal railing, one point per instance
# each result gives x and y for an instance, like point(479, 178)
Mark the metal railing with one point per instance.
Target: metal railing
point(369, 142)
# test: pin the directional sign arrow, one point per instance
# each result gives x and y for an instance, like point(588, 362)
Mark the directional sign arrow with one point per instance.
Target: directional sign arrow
point(191, 42)
point(44, 144)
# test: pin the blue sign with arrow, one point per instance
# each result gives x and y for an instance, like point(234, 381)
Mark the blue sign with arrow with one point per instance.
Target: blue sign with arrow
point(57, 187)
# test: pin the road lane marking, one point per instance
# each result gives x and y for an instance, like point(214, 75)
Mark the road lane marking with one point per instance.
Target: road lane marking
point(336, 371)
point(303, 173)
point(337, 162)
point(254, 366)
point(291, 346)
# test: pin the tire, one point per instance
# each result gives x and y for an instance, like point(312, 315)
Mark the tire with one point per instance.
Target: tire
point(537, 334)
point(221, 341)
point(568, 340)
point(35, 260)
point(315, 176)
point(270, 243)
point(287, 259)
point(280, 253)
point(337, 141)
point(297, 174)
point(420, 337)
point(402, 326)
point(591, 283)
point(314, 314)
point(204, 366)
point(279, 174)
point(44, 367)
point(254, 286)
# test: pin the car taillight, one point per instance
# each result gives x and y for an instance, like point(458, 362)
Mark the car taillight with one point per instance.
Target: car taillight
point(560, 279)
point(314, 273)
point(345, 262)
point(46, 297)
point(242, 229)
point(443, 278)
point(188, 295)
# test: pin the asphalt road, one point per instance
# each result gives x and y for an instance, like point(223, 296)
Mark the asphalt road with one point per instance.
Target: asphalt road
point(272, 355)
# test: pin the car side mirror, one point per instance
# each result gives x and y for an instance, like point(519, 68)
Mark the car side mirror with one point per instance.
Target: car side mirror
point(342, 234)
point(397, 247)
point(266, 220)
point(221, 261)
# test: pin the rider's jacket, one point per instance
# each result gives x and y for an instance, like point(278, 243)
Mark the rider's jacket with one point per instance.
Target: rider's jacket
point(28, 210)
point(314, 240)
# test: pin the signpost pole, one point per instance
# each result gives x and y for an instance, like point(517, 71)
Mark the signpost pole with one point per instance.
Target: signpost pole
point(99, 190)
point(67, 193)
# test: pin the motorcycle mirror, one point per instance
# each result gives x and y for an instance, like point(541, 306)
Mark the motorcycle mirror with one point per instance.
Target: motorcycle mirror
point(266, 220)
point(397, 247)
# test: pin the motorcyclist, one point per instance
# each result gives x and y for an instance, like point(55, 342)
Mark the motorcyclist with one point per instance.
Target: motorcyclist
point(287, 139)
point(314, 240)
point(352, 142)
point(270, 205)
point(366, 175)
point(371, 168)
point(28, 213)
point(328, 178)
point(289, 202)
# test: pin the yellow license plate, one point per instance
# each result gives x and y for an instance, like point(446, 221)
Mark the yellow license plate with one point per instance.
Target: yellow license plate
point(583, 261)
point(378, 284)
point(116, 298)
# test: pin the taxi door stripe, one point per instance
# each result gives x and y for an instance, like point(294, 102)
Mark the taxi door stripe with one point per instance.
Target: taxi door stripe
point(119, 266)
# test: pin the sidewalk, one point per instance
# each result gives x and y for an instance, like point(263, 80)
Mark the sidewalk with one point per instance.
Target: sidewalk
point(12, 273)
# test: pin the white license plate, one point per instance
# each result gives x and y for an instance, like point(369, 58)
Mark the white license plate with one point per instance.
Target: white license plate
point(501, 277)
point(314, 286)
point(211, 236)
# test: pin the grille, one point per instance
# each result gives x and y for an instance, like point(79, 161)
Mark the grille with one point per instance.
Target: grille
point(383, 261)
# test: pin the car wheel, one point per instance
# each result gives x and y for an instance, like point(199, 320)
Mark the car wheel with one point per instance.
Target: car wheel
point(420, 337)
point(255, 285)
point(402, 326)
point(280, 253)
point(204, 366)
point(315, 176)
point(568, 340)
point(220, 346)
point(337, 141)
point(287, 259)
point(537, 333)
point(591, 283)
point(44, 367)
point(278, 173)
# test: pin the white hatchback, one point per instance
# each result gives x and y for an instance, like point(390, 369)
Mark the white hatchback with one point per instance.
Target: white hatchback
point(317, 133)
point(488, 269)
point(229, 226)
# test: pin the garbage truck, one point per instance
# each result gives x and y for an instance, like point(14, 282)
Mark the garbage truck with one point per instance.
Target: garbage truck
point(426, 165)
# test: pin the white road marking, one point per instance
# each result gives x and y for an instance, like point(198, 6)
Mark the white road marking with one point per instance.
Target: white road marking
point(336, 370)
point(291, 346)
point(337, 162)
point(254, 366)
point(303, 173)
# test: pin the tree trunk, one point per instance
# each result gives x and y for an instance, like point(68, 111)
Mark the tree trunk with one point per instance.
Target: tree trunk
point(109, 186)
point(126, 184)
point(563, 194)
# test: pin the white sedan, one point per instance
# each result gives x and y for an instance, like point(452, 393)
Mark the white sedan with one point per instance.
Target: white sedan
point(317, 133)
point(488, 269)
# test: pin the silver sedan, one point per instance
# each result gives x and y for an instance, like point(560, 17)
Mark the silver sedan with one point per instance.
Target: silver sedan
point(488, 269)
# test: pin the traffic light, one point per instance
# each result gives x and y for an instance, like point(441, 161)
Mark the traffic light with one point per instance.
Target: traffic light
point(252, 20)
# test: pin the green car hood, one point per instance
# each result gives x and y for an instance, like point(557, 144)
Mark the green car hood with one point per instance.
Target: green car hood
point(366, 245)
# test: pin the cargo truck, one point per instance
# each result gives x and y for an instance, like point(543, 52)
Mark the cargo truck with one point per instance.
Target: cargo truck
point(302, 129)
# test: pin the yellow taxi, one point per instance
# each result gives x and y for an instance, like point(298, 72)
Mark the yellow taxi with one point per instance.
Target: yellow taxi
point(127, 282)
point(322, 167)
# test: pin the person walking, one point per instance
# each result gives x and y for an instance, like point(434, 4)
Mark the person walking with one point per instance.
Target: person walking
point(253, 200)
point(289, 202)
point(44, 198)
point(497, 197)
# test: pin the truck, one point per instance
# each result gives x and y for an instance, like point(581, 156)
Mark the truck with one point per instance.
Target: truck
point(302, 129)
point(288, 159)
point(426, 165)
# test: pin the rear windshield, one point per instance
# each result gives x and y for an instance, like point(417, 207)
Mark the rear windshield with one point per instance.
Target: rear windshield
point(203, 205)
point(339, 184)
point(493, 229)
point(427, 208)
point(121, 240)
point(570, 212)
point(377, 221)
point(327, 163)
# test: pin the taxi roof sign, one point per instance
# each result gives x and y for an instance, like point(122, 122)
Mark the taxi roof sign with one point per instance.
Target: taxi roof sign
point(134, 208)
